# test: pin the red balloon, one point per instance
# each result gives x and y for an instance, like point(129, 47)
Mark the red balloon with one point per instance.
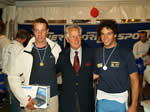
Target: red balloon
point(94, 12)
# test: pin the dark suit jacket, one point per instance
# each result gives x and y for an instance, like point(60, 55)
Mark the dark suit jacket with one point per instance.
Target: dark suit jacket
point(83, 84)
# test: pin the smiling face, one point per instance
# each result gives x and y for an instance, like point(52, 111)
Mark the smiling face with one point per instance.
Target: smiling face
point(143, 37)
point(108, 38)
point(40, 31)
point(74, 38)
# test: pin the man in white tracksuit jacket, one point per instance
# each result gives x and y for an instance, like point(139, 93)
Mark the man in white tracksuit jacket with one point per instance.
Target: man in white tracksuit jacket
point(36, 65)
point(9, 55)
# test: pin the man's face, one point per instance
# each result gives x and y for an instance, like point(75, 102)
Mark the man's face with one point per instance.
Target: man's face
point(108, 38)
point(143, 37)
point(40, 31)
point(74, 38)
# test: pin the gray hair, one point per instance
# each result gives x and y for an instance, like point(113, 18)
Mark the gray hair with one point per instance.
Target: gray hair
point(72, 26)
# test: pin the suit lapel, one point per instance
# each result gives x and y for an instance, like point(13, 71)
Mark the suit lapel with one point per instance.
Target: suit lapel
point(83, 59)
point(68, 56)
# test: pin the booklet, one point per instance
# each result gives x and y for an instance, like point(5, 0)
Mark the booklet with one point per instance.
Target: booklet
point(146, 105)
point(40, 94)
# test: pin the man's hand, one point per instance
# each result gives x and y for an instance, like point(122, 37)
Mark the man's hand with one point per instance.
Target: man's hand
point(144, 55)
point(95, 76)
point(131, 109)
point(31, 104)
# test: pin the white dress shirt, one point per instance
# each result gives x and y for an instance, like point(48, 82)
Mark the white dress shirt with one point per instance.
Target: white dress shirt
point(72, 54)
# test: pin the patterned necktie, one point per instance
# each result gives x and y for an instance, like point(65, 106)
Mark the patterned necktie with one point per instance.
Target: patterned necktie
point(76, 62)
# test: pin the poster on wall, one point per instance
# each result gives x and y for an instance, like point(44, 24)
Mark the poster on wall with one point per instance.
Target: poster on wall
point(128, 34)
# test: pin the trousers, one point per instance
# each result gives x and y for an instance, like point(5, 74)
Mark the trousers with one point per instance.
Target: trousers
point(105, 105)
point(14, 105)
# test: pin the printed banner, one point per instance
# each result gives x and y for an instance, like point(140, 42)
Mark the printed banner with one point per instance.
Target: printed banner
point(128, 34)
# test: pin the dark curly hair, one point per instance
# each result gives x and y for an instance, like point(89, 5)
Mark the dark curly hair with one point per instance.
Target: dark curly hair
point(109, 24)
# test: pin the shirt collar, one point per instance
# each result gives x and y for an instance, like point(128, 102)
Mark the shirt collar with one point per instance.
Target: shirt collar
point(73, 51)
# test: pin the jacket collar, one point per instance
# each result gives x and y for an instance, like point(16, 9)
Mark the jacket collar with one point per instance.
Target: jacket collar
point(32, 40)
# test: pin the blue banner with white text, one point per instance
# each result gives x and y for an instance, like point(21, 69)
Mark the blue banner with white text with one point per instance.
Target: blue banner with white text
point(128, 34)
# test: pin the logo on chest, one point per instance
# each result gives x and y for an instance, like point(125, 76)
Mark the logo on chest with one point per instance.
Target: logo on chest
point(115, 64)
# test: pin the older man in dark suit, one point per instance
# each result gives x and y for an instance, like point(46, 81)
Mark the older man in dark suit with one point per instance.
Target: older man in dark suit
point(76, 65)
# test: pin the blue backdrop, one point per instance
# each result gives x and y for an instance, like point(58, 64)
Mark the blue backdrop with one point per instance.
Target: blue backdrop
point(128, 35)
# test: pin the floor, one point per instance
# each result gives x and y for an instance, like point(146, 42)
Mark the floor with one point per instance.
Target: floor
point(4, 108)
point(147, 94)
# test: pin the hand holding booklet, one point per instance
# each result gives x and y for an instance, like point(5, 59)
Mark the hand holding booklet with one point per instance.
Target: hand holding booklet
point(146, 105)
point(40, 94)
